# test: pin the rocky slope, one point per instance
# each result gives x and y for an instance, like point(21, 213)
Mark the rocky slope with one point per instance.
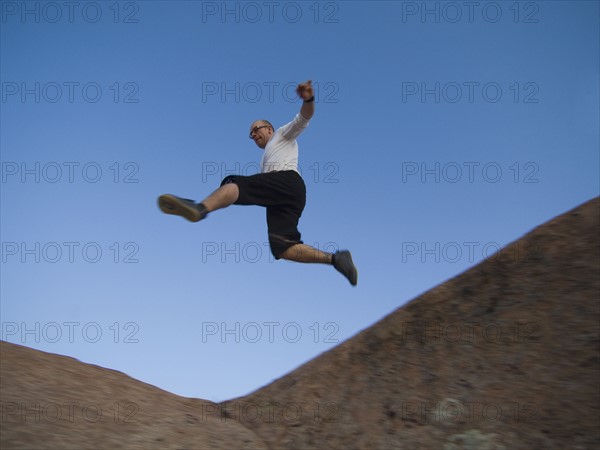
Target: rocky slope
point(503, 356)
point(54, 402)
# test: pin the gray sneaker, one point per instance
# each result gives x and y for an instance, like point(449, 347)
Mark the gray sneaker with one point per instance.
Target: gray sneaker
point(342, 261)
point(171, 204)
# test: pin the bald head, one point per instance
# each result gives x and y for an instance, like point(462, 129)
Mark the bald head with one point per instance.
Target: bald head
point(261, 131)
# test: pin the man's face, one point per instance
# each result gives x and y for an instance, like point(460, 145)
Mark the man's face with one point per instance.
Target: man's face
point(260, 133)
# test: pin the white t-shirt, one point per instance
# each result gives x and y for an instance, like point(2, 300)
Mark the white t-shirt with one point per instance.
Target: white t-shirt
point(281, 152)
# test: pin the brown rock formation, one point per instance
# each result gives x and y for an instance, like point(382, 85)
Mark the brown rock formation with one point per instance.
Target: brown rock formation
point(55, 402)
point(503, 356)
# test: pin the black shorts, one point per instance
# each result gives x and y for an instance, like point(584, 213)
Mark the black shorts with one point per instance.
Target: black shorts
point(284, 195)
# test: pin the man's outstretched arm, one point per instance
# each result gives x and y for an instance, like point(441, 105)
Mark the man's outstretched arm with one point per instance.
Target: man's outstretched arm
point(305, 92)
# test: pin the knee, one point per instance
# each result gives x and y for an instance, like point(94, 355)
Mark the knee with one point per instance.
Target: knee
point(232, 191)
point(282, 247)
point(230, 188)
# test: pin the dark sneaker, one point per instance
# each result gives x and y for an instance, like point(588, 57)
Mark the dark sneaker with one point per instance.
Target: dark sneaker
point(171, 204)
point(342, 261)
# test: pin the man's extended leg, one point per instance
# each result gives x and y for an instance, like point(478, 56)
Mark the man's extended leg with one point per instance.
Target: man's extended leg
point(221, 198)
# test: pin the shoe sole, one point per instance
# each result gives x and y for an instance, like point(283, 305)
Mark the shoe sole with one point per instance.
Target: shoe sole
point(169, 204)
point(354, 275)
point(353, 272)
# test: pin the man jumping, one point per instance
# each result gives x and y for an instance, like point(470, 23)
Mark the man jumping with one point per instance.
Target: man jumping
point(279, 188)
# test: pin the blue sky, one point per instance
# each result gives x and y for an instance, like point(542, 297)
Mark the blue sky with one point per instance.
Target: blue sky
point(442, 132)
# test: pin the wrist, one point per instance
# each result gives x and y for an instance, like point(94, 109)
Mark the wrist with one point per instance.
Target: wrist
point(310, 100)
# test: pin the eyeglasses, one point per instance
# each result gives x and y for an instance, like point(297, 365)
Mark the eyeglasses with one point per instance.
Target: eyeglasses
point(255, 129)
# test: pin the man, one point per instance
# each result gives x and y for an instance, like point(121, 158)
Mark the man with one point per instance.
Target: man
point(279, 188)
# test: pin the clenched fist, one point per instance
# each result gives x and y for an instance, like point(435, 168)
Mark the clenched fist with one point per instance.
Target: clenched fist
point(305, 90)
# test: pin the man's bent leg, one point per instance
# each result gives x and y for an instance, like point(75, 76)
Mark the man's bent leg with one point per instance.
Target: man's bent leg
point(306, 254)
point(341, 260)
